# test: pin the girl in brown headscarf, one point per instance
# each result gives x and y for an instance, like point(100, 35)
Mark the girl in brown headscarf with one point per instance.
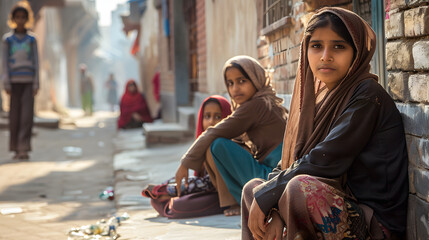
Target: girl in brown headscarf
point(344, 163)
point(248, 143)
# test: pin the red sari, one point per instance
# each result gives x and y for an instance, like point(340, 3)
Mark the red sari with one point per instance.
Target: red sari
point(133, 102)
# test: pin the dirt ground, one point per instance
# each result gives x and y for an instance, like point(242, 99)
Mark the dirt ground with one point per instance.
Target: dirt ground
point(54, 191)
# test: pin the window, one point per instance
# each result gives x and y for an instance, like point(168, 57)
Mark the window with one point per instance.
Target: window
point(274, 10)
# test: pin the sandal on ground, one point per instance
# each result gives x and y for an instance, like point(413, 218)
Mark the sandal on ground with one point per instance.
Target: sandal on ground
point(232, 211)
point(24, 156)
point(21, 156)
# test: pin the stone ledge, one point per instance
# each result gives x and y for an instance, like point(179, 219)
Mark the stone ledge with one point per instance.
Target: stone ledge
point(166, 133)
point(280, 24)
point(415, 118)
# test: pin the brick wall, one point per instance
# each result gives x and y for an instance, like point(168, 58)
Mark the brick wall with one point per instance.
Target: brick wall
point(201, 46)
point(279, 49)
point(407, 60)
point(166, 52)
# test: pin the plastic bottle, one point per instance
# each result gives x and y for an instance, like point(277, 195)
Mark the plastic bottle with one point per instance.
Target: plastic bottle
point(108, 193)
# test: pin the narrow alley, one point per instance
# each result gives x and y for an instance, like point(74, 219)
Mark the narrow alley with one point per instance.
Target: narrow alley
point(128, 94)
point(58, 190)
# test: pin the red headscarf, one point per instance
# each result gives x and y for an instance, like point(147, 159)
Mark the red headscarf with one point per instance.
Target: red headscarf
point(226, 110)
point(131, 103)
point(224, 106)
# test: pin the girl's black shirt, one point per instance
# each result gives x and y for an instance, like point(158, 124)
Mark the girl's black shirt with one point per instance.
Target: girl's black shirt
point(367, 143)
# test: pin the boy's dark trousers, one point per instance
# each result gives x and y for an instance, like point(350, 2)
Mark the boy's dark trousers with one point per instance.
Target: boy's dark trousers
point(21, 117)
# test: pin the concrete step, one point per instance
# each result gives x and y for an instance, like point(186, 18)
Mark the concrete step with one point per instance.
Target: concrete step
point(187, 117)
point(38, 122)
point(162, 133)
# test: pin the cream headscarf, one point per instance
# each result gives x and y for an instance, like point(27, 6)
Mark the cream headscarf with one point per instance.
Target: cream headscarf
point(260, 80)
point(308, 125)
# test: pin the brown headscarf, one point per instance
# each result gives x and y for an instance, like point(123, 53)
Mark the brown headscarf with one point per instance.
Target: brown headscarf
point(260, 80)
point(308, 125)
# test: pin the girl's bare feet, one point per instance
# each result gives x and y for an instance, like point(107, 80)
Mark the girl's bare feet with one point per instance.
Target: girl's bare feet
point(232, 211)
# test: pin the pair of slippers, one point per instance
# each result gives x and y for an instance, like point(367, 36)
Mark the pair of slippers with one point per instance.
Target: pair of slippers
point(21, 156)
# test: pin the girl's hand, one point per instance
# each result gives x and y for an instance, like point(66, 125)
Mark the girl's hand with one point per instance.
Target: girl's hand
point(256, 221)
point(7, 91)
point(182, 172)
point(275, 227)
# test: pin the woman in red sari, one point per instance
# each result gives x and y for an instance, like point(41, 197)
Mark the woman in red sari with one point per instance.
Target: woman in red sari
point(133, 106)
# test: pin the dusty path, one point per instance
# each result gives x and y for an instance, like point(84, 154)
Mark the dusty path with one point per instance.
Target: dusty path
point(54, 191)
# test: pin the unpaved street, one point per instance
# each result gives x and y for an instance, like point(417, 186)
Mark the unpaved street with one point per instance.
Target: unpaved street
point(54, 191)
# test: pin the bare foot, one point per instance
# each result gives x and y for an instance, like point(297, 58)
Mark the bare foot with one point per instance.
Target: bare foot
point(232, 211)
point(137, 117)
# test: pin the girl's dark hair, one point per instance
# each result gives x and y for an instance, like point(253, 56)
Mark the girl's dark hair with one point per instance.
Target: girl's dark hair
point(335, 23)
point(236, 65)
point(211, 100)
point(19, 9)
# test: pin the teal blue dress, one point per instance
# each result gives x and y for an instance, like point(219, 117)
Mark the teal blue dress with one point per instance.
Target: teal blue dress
point(237, 166)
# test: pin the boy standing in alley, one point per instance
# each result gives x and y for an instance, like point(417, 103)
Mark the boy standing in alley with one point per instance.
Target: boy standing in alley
point(21, 80)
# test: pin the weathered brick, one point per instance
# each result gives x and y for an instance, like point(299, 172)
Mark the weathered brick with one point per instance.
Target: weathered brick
point(298, 9)
point(422, 219)
point(276, 74)
point(265, 61)
point(416, 21)
point(420, 54)
point(418, 87)
point(418, 151)
point(398, 55)
point(394, 26)
point(263, 51)
point(311, 5)
point(398, 85)
point(411, 176)
point(289, 84)
point(421, 183)
point(284, 44)
point(415, 118)
point(413, 150)
point(411, 218)
point(283, 72)
point(398, 4)
point(293, 54)
point(291, 69)
point(413, 3)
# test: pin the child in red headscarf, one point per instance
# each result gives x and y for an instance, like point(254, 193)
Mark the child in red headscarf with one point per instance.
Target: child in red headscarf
point(201, 198)
point(133, 106)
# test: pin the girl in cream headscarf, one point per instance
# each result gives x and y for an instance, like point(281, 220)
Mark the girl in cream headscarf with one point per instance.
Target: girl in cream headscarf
point(245, 145)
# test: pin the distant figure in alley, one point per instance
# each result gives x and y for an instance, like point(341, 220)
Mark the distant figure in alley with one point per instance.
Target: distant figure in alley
point(133, 107)
point(86, 90)
point(112, 89)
